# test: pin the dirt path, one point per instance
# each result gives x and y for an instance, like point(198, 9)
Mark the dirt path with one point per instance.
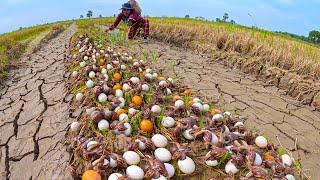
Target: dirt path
point(34, 115)
point(263, 108)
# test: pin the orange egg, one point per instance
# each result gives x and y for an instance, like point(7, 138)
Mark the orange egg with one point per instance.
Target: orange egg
point(187, 92)
point(101, 62)
point(146, 126)
point(268, 156)
point(137, 100)
point(117, 86)
point(176, 97)
point(121, 111)
point(91, 175)
point(190, 103)
point(162, 78)
point(215, 111)
point(117, 77)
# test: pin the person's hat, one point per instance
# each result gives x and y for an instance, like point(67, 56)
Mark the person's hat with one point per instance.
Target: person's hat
point(126, 6)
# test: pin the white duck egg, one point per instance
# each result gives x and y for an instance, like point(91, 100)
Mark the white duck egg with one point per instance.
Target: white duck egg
point(261, 142)
point(123, 117)
point(159, 140)
point(145, 87)
point(109, 67)
point(163, 83)
point(257, 160)
point(119, 93)
point(115, 176)
point(79, 96)
point(92, 74)
point(83, 64)
point(126, 87)
point(142, 145)
point(128, 130)
point(206, 108)
point(131, 157)
point(179, 104)
point(217, 117)
point(102, 98)
point(75, 126)
point(123, 67)
point(160, 178)
point(290, 177)
point(170, 169)
point(168, 122)
point(104, 71)
point(134, 172)
point(162, 154)
point(286, 160)
point(123, 102)
point(90, 84)
point(156, 109)
point(103, 125)
point(187, 165)
point(74, 73)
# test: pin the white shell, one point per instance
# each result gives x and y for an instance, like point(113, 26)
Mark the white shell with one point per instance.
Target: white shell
point(106, 162)
point(198, 106)
point(113, 163)
point(156, 109)
point(206, 107)
point(187, 165)
point(290, 177)
point(179, 104)
point(128, 130)
point(170, 80)
point(123, 117)
point(261, 142)
point(145, 87)
point(168, 122)
point(103, 125)
point(106, 77)
point(123, 102)
point(74, 73)
point(123, 67)
point(134, 172)
point(163, 84)
point(148, 70)
point(227, 114)
point(104, 71)
point(93, 57)
point(92, 74)
point(169, 91)
point(217, 117)
point(136, 64)
point(239, 124)
point(196, 100)
point(162, 154)
point(142, 145)
point(159, 140)
point(102, 98)
point(257, 160)
point(148, 76)
point(75, 126)
point(131, 157)
point(114, 176)
point(86, 58)
point(79, 96)
point(109, 67)
point(126, 87)
point(90, 84)
point(91, 145)
point(132, 111)
point(286, 160)
point(170, 169)
point(186, 134)
point(231, 168)
point(135, 80)
point(119, 93)
point(214, 139)
point(211, 163)
point(154, 76)
point(83, 64)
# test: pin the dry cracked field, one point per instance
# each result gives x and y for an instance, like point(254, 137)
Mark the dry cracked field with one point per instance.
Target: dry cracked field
point(34, 108)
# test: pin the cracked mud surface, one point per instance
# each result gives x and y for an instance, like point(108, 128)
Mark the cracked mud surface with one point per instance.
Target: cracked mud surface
point(265, 109)
point(34, 115)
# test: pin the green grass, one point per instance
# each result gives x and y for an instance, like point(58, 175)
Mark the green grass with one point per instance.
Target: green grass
point(14, 44)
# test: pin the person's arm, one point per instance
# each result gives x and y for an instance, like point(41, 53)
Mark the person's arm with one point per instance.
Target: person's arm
point(116, 22)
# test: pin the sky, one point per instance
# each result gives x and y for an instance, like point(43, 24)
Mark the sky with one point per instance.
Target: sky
point(294, 16)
